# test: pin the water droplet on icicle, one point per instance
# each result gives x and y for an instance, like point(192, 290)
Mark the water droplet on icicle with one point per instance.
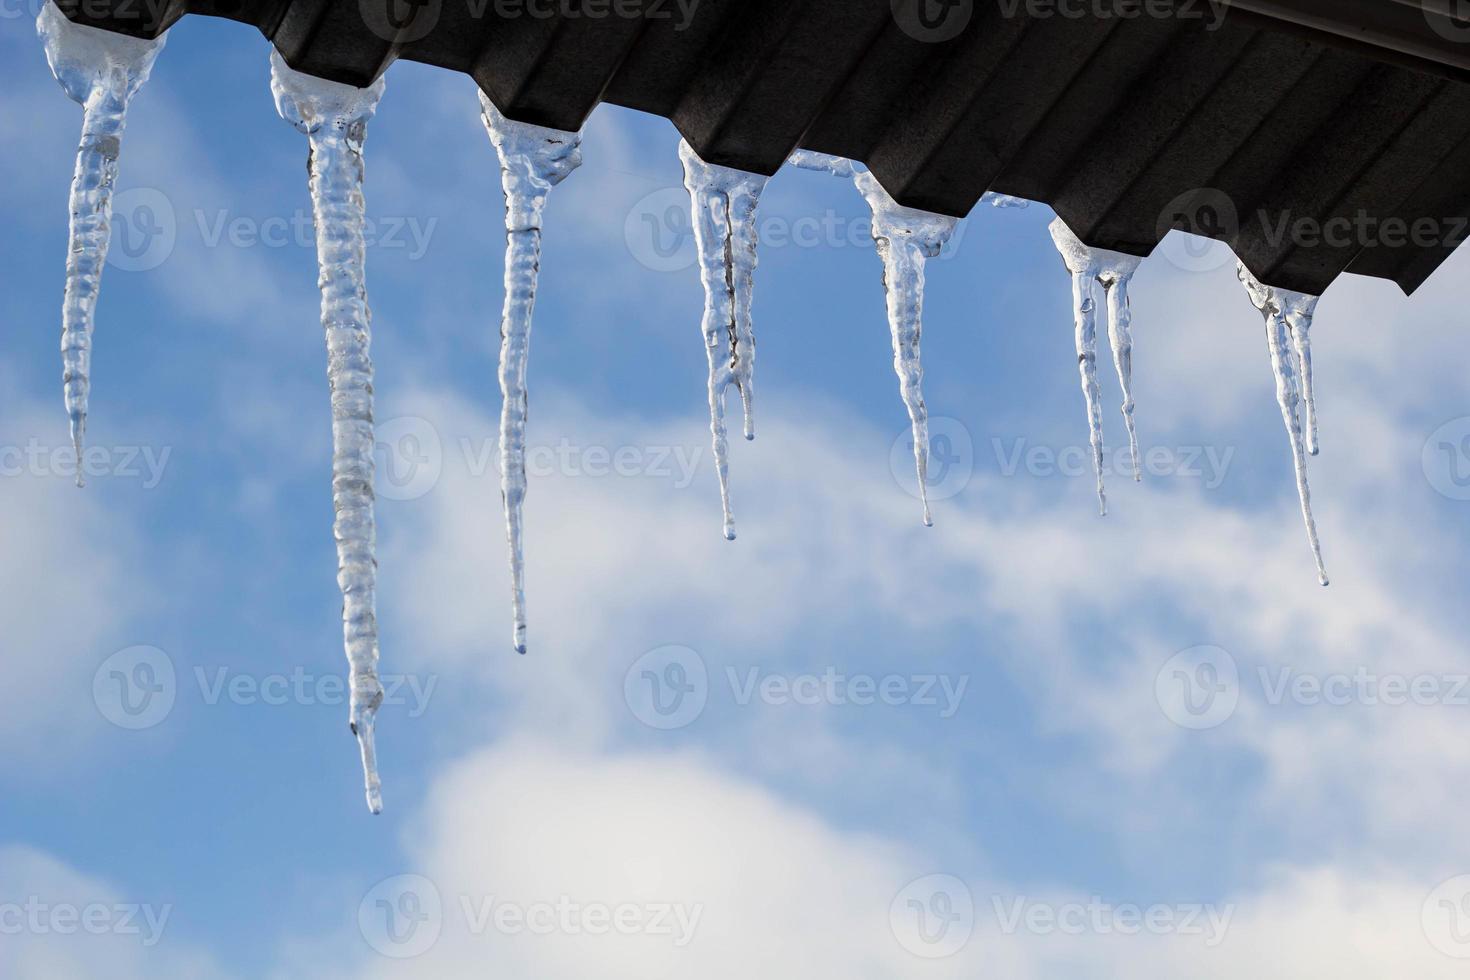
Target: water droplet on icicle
point(334, 118)
point(533, 160)
point(101, 71)
point(1279, 306)
point(723, 203)
point(907, 238)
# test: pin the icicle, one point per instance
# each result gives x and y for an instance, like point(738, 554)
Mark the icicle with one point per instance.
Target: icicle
point(1299, 309)
point(906, 239)
point(533, 160)
point(1082, 264)
point(334, 118)
point(723, 203)
point(1275, 305)
point(102, 71)
point(1115, 271)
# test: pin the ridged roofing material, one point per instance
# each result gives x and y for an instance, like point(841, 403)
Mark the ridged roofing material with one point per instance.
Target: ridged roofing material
point(1315, 136)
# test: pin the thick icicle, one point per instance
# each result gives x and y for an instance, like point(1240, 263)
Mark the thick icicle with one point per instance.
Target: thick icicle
point(102, 71)
point(723, 203)
point(1082, 265)
point(907, 238)
point(1299, 309)
point(334, 118)
point(1275, 305)
point(533, 160)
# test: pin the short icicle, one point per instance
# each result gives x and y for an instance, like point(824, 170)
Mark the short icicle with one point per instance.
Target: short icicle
point(907, 238)
point(102, 71)
point(1276, 305)
point(533, 160)
point(723, 203)
point(334, 118)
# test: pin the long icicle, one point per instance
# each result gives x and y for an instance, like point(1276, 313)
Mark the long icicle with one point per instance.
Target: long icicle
point(334, 118)
point(1273, 304)
point(102, 71)
point(1115, 271)
point(723, 203)
point(533, 160)
point(1299, 309)
point(907, 238)
point(1082, 265)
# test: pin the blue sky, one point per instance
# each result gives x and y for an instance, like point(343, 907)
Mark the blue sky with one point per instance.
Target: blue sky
point(1032, 751)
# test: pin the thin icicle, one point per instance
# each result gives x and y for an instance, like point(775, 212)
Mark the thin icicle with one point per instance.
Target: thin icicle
point(102, 71)
point(1299, 309)
point(723, 203)
point(334, 118)
point(1115, 271)
point(533, 160)
point(1274, 305)
point(907, 238)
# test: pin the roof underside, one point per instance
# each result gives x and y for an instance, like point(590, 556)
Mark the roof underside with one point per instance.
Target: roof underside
point(1314, 136)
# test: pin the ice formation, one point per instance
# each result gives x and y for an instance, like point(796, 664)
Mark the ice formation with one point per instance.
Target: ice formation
point(907, 238)
point(723, 203)
point(1112, 270)
point(1288, 317)
point(533, 160)
point(102, 71)
point(334, 118)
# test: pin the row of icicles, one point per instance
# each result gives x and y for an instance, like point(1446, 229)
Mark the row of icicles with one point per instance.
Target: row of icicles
point(103, 71)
